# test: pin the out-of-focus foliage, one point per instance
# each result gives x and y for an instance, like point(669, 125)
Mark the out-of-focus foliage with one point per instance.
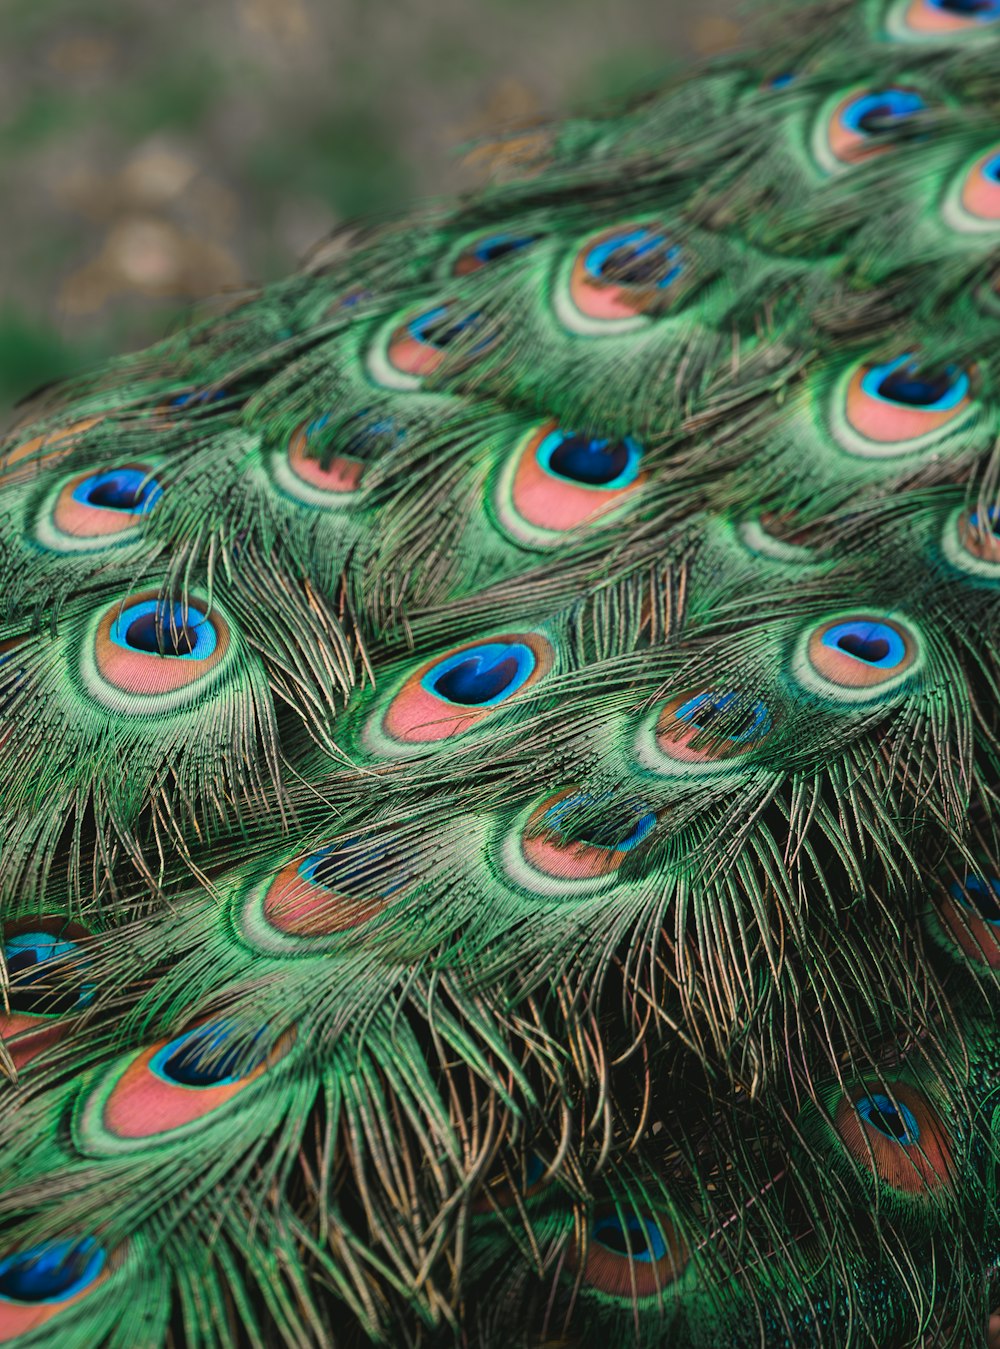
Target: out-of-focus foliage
point(151, 152)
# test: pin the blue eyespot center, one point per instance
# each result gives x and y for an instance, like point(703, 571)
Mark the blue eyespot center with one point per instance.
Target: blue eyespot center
point(590, 462)
point(209, 1056)
point(875, 113)
point(639, 257)
point(40, 990)
point(120, 489)
point(873, 643)
point(534, 1169)
point(734, 716)
point(634, 1237)
point(991, 521)
point(499, 245)
point(157, 628)
point(902, 381)
point(199, 396)
point(51, 1272)
point(619, 829)
point(437, 328)
point(354, 866)
point(980, 895)
point(363, 433)
point(908, 387)
point(481, 676)
point(991, 169)
point(975, 9)
point(893, 1119)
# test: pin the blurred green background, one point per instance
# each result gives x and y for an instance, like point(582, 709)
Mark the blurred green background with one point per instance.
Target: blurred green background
point(155, 151)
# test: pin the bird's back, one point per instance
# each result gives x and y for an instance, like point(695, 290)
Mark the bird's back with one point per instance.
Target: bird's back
point(498, 746)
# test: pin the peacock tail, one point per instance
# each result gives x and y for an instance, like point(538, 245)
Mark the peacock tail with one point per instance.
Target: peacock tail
point(500, 734)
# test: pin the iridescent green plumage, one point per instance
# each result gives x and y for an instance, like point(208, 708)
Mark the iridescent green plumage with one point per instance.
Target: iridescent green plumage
point(499, 753)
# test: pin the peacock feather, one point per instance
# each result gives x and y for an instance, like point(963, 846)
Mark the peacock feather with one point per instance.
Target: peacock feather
point(500, 737)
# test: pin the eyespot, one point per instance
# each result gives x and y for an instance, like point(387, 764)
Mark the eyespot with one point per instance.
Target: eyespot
point(782, 81)
point(574, 842)
point(922, 19)
point(24, 461)
point(694, 732)
point(892, 1119)
point(330, 891)
point(352, 298)
point(631, 1255)
point(557, 481)
point(55, 1271)
point(303, 477)
point(150, 654)
point(971, 542)
point(207, 1057)
point(451, 693)
point(195, 400)
point(204, 401)
point(972, 203)
point(489, 248)
point(774, 537)
point(174, 1087)
point(41, 979)
point(619, 279)
point(405, 355)
point(857, 657)
point(858, 124)
point(37, 1283)
point(47, 985)
point(895, 1133)
point(899, 407)
point(525, 1178)
point(95, 510)
point(970, 915)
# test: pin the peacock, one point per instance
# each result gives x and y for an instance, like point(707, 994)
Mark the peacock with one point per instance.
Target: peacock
point(500, 731)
